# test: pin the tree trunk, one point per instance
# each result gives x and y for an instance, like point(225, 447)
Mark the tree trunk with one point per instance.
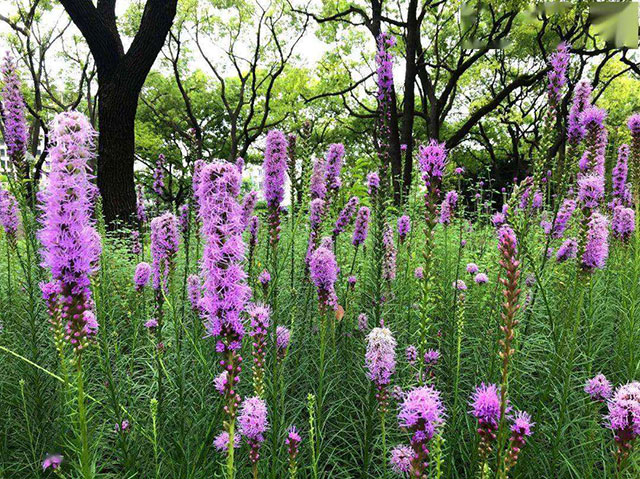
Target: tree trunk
point(116, 147)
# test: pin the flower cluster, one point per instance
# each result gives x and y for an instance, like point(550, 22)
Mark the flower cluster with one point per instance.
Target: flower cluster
point(15, 131)
point(69, 247)
point(345, 216)
point(164, 246)
point(259, 316)
point(275, 167)
point(404, 227)
point(333, 165)
point(380, 360)
point(361, 227)
point(252, 424)
point(323, 269)
point(389, 260)
point(141, 275)
point(158, 175)
point(9, 218)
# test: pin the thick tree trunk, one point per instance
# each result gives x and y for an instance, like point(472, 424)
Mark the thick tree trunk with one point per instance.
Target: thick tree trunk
point(116, 147)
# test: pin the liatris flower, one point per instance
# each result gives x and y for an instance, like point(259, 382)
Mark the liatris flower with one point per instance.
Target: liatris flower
point(422, 414)
point(380, 361)
point(537, 201)
point(259, 316)
point(316, 212)
point(389, 260)
point(221, 442)
point(520, 429)
point(581, 100)
point(151, 324)
point(373, 183)
point(568, 250)
point(252, 424)
point(16, 132)
point(158, 175)
point(418, 273)
point(485, 403)
point(562, 218)
point(253, 231)
point(412, 354)
point(184, 218)
point(384, 76)
point(136, 247)
point(351, 281)
point(507, 246)
point(472, 268)
point(598, 388)
point(596, 249)
point(317, 185)
point(164, 246)
point(481, 278)
point(363, 322)
point(333, 166)
point(275, 166)
point(141, 211)
point(634, 126)
point(591, 190)
point(546, 226)
point(324, 272)
point(624, 418)
point(248, 205)
point(69, 249)
point(530, 280)
point(293, 447)
point(194, 292)
point(596, 140)
point(459, 285)
point(432, 160)
point(401, 459)
point(141, 275)
point(240, 164)
point(283, 337)
point(623, 223)
point(619, 177)
point(52, 461)
point(404, 227)
point(224, 290)
point(361, 228)
point(9, 216)
point(448, 206)
point(345, 216)
point(557, 75)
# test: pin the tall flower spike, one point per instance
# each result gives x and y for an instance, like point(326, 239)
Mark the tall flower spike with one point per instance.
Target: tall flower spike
point(421, 413)
point(507, 246)
point(389, 260)
point(9, 216)
point(164, 247)
point(141, 275)
point(581, 101)
point(598, 388)
point(248, 205)
point(293, 447)
point(380, 361)
point(557, 75)
point(361, 227)
point(317, 186)
point(252, 424)
point(141, 211)
point(485, 404)
point(16, 132)
point(634, 127)
point(323, 269)
point(333, 166)
point(194, 292)
point(621, 194)
point(592, 161)
point(345, 216)
point(404, 227)
point(69, 248)
point(623, 223)
point(596, 248)
point(158, 175)
point(224, 292)
point(275, 167)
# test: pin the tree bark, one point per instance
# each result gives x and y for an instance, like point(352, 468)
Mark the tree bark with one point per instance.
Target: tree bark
point(120, 78)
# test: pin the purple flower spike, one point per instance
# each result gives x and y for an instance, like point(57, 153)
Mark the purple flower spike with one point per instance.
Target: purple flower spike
point(598, 388)
point(401, 459)
point(404, 227)
point(16, 132)
point(373, 183)
point(52, 461)
point(361, 227)
point(142, 275)
point(596, 250)
point(345, 216)
point(164, 247)
point(324, 273)
point(623, 223)
point(380, 361)
point(275, 167)
point(333, 166)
